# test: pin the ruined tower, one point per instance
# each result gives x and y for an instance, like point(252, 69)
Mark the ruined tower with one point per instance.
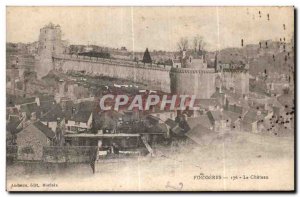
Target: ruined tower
point(50, 44)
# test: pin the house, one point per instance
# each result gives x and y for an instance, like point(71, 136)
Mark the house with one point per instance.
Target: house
point(31, 111)
point(284, 113)
point(130, 116)
point(275, 86)
point(153, 120)
point(13, 126)
point(79, 121)
point(220, 121)
point(174, 127)
point(176, 63)
point(12, 112)
point(110, 121)
point(201, 135)
point(203, 120)
point(235, 120)
point(206, 105)
point(80, 118)
point(32, 139)
point(20, 101)
point(53, 117)
point(20, 106)
point(253, 121)
point(235, 102)
point(163, 115)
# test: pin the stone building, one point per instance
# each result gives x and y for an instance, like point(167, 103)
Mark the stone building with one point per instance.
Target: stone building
point(49, 44)
point(32, 139)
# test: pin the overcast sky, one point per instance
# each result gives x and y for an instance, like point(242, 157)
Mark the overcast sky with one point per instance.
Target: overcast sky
point(158, 28)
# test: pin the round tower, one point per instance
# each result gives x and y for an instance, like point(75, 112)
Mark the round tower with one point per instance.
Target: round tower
point(193, 77)
point(193, 81)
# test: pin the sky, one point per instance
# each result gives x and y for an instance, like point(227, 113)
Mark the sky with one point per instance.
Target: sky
point(156, 28)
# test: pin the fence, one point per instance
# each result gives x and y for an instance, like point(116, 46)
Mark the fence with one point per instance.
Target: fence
point(54, 154)
point(11, 151)
point(69, 154)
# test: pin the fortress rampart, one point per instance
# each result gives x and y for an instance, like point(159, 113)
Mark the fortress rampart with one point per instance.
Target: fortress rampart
point(156, 77)
point(196, 80)
point(236, 79)
point(188, 81)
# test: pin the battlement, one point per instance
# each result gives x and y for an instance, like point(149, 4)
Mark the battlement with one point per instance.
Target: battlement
point(192, 70)
point(112, 62)
point(51, 26)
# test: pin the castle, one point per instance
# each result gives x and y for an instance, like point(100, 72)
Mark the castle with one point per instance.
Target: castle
point(189, 75)
point(49, 44)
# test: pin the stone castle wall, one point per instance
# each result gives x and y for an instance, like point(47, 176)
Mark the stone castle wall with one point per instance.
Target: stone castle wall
point(239, 80)
point(155, 77)
point(199, 82)
point(187, 81)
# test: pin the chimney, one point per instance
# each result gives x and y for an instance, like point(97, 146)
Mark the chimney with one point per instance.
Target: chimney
point(225, 99)
point(37, 100)
point(73, 110)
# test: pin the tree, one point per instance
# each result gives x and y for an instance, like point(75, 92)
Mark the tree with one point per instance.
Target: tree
point(147, 57)
point(183, 44)
point(199, 43)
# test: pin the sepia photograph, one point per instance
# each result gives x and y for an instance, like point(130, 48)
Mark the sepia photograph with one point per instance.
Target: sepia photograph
point(156, 99)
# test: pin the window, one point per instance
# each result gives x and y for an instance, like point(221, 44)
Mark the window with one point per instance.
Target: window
point(77, 123)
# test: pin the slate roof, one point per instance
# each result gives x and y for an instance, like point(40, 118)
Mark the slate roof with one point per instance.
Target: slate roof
point(171, 123)
point(22, 100)
point(207, 102)
point(13, 100)
point(80, 112)
point(44, 98)
point(30, 108)
point(217, 116)
point(174, 126)
point(158, 128)
point(251, 116)
point(286, 100)
point(153, 119)
point(176, 61)
point(232, 115)
point(259, 86)
point(201, 134)
point(203, 120)
point(178, 131)
point(46, 130)
point(10, 100)
point(12, 126)
point(81, 116)
point(52, 115)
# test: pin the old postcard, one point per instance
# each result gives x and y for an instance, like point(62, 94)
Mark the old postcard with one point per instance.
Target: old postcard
point(150, 98)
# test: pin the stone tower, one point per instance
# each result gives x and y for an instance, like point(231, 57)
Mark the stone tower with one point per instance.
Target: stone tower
point(50, 44)
point(194, 78)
